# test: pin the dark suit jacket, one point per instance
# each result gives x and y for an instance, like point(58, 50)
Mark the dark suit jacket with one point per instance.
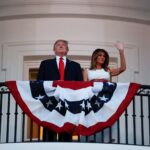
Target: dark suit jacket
point(49, 71)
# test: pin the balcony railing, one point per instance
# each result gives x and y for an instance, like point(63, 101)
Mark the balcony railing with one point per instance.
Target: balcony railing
point(132, 128)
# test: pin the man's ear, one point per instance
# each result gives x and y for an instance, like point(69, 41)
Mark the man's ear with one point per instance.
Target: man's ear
point(67, 51)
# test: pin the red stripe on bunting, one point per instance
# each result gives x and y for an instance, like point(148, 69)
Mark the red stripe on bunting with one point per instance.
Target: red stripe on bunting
point(74, 85)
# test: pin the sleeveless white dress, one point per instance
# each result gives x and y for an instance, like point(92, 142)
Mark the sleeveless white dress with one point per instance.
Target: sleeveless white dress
point(98, 74)
point(101, 74)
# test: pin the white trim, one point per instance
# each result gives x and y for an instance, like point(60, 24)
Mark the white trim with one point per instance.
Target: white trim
point(68, 146)
point(131, 11)
point(143, 6)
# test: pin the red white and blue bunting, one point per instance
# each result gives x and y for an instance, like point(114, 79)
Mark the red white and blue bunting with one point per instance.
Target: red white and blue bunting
point(75, 107)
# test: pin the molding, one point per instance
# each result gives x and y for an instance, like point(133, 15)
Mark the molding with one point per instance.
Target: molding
point(105, 3)
point(1, 54)
point(51, 42)
point(138, 12)
point(86, 16)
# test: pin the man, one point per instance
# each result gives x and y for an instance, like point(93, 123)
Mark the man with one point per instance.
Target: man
point(59, 68)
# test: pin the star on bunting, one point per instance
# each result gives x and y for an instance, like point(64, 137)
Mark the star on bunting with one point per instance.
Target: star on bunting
point(49, 103)
point(39, 97)
point(103, 98)
point(59, 105)
point(88, 105)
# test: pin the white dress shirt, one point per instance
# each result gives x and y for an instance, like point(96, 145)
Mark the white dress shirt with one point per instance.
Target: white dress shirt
point(57, 60)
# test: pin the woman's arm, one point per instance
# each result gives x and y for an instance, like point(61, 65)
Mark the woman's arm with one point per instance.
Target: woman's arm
point(122, 68)
point(85, 75)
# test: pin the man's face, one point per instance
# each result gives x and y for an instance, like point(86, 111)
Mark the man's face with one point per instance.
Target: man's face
point(60, 49)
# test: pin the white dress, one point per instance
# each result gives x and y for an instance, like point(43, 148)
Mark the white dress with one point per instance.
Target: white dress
point(101, 74)
point(98, 74)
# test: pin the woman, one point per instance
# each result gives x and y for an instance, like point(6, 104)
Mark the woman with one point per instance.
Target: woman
point(99, 70)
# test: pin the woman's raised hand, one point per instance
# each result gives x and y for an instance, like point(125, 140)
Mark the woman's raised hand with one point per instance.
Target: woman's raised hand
point(119, 45)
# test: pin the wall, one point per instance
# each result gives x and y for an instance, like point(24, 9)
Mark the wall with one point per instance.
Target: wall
point(33, 37)
point(29, 28)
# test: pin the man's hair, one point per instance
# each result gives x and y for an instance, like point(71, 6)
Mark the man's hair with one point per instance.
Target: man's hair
point(61, 40)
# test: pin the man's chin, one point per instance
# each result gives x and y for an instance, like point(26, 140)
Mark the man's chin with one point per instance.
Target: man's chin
point(61, 54)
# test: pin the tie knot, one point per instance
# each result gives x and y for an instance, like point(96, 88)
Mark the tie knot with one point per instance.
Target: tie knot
point(60, 58)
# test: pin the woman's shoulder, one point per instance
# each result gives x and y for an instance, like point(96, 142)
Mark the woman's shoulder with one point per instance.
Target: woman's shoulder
point(85, 69)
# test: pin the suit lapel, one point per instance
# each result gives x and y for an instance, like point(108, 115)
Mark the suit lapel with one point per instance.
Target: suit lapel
point(67, 66)
point(55, 67)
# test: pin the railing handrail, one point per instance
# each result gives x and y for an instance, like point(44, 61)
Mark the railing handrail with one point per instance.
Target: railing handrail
point(2, 84)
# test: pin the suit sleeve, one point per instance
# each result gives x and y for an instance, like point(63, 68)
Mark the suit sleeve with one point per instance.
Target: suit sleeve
point(79, 75)
point(41, 72)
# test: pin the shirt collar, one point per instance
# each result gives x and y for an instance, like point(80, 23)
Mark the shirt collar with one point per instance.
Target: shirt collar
point(58, 57)
point(64, 60)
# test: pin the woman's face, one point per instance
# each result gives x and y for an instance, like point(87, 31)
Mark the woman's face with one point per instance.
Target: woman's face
point(101, 58)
